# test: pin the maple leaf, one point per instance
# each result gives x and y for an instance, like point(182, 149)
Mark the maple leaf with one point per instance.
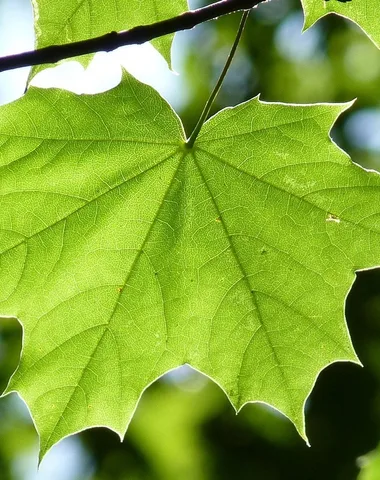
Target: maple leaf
point(363, 12)
point(76, 20)
point(125, 254)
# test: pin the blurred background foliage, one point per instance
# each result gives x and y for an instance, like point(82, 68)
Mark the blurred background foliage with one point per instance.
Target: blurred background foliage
point(184, 427)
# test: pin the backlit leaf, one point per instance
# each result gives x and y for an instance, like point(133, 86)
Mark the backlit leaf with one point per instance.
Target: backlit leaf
point(362, 12)
point(74, 20)
point(124, 254)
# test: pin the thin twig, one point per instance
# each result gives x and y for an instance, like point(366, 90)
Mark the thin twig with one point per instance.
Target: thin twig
point(136, 35)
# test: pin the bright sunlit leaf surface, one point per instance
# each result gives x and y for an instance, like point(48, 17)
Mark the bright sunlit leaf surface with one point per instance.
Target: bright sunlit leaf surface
point(124, 254)
point(74, 20)
point(363, 12)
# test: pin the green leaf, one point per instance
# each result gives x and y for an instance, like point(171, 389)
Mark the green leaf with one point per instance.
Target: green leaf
point(370, 465)
point(124, 254)
point(363, 12)
point(76, 20)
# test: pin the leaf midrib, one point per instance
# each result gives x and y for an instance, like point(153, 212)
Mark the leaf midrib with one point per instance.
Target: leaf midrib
point(84, 205)
point(251, 294)
point(292, 194)
point(111, 316)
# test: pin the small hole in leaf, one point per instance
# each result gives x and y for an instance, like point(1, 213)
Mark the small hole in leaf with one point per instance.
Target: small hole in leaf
point(332, 218)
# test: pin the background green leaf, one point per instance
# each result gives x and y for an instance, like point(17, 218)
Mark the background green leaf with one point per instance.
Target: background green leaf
point(370, 466)
point(74, 20)
point(125, 255)
point(362, 12)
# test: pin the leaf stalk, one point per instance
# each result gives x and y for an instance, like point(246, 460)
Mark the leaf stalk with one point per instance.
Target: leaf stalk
point(203, 117)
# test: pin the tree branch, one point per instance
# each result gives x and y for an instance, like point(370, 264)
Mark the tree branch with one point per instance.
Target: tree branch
point(136, 35)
